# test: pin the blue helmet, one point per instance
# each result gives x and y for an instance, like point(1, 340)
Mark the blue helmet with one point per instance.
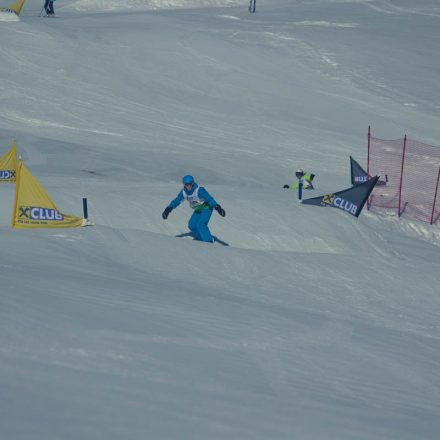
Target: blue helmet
point(187, 180)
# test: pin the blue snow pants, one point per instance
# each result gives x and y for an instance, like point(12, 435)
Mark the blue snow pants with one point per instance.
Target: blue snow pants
point(198, 225)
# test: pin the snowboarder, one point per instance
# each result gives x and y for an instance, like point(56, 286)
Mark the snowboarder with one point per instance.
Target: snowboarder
point(302, 177)
point(202, 203)
point(48, 7)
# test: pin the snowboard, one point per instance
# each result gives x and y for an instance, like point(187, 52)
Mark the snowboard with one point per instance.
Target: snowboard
point(190, 235)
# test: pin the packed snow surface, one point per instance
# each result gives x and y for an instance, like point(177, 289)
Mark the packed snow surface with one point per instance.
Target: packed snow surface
point(311, 324)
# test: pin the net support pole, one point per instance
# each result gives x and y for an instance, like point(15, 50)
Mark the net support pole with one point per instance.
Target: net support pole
point(401, 177)
point(368, 162)
point(368, 152)
point(435, 198)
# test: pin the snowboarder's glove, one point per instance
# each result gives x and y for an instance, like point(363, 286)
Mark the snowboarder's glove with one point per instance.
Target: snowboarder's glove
point(312, 176)
point(220, 210)
point(166, 213)
point(286, 186)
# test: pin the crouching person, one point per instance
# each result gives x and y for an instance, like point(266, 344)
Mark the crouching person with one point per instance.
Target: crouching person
point(202, 204)
point(303, 178)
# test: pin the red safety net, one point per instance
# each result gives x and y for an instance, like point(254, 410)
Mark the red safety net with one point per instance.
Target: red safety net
point(409, 177)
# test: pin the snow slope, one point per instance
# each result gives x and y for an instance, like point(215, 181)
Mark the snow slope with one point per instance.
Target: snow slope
point(311, 324)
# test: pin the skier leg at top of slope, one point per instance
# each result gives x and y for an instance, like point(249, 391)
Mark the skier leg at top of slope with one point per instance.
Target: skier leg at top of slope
point(48, 7)
point(202, 204)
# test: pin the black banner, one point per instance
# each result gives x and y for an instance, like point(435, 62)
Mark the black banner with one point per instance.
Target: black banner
point(350, 200)
point(358, 174)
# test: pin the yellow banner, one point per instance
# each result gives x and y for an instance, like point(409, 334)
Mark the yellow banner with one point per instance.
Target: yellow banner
point(33, 207)
point(8, 165)
point(14, 7)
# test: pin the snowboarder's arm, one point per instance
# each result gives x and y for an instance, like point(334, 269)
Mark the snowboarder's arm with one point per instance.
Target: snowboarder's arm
point(204, 195)
point(292, 186)
point(177, 201)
